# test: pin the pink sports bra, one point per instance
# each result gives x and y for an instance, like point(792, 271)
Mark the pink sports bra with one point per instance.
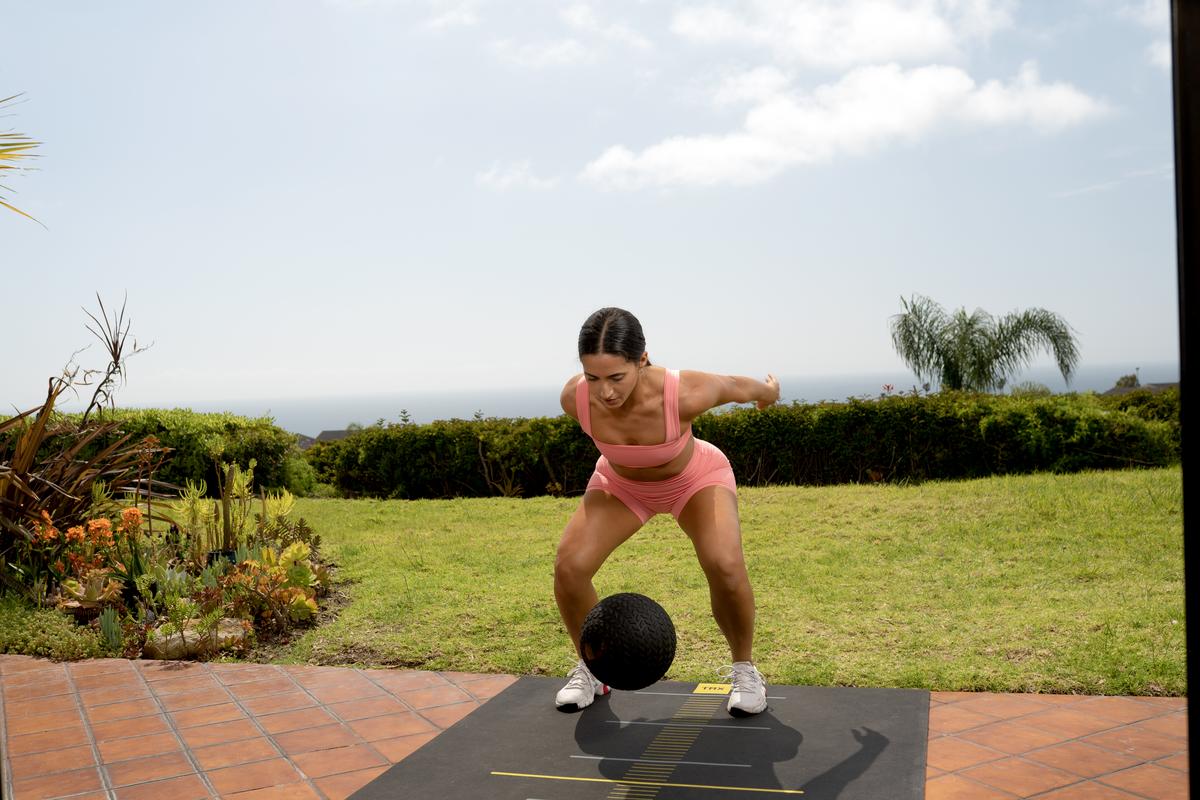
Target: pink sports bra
point(640, 456)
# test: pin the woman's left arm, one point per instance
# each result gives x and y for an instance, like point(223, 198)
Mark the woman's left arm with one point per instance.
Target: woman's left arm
point(701, 391)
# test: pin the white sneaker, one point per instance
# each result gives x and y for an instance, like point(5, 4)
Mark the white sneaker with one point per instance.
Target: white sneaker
point(581, 689)
point(749, 693)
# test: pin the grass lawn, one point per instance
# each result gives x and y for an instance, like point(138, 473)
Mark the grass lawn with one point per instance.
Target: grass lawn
point(1047, 583)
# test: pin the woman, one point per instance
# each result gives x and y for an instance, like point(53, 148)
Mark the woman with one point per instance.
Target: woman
point(640, 417)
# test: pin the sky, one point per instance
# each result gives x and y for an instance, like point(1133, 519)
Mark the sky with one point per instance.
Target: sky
point(326, 198)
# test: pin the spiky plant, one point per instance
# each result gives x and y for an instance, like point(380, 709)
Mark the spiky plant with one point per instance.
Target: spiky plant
point(978, 352)
point(15, 148)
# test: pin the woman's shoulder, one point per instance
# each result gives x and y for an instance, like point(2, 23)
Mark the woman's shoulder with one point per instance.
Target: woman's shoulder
point(567, 398)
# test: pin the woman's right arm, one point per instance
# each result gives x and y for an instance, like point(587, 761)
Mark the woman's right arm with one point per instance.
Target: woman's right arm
point(567, 398)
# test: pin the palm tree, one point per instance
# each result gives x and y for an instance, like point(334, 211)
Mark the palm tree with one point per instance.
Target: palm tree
point(977, 352)
point(13, 148)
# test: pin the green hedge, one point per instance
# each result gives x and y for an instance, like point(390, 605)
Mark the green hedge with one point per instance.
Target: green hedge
point(195, 438)
point(900, 438)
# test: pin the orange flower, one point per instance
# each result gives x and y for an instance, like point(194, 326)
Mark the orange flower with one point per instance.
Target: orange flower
point(75, 534)
point(131, 519)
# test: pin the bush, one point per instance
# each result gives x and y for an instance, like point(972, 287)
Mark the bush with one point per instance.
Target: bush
point(895, 438)
point(25, 630)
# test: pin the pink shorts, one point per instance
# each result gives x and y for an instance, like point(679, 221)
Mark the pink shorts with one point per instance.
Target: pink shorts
point(707, 467)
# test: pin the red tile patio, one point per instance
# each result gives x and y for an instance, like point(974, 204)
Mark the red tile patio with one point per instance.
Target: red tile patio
point(119, 729)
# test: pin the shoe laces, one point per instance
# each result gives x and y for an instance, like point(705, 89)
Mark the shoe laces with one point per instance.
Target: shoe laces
point(580, 677)
point(744, 676)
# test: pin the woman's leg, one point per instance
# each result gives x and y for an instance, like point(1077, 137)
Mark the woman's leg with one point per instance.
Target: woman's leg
point(710, 520)
point(598, 526)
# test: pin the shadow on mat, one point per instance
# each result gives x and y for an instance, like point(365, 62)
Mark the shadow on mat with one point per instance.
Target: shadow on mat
point(600, 733)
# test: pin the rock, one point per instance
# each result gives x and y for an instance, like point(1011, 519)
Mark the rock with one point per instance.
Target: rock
point(229, 632)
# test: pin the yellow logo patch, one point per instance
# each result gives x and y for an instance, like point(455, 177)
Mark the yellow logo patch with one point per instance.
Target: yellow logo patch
point(713, 688)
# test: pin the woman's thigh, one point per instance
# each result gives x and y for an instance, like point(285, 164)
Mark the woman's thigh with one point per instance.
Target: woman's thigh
point(710, 519)
point(599, 525)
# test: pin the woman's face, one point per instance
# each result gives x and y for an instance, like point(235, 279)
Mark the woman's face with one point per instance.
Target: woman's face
point(611, 378)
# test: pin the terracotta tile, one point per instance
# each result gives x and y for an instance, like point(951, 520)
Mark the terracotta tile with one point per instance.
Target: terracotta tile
point(1011, 737)
point(130, 708)
point(1088, 790)
point(445, 716)
point(182, 684)
point(1141, 744)
point(370, 707)
point(1060, 699)
point(463, 677)
point(155, 670)
point(1020, 777)
point(104, 696)
point(391, 726)
point(54, 672)
point(276, 684)
point(206, 715)
point(1003, 706)
point(100, 666)
point(1149, 780)
point(231, 674)
point(140, 770)
point(322, 738)
point(138, 747)
point(320, 763)
point(233, 753)
point(1165, 704)
point(219, 733)
point(58, 784)
point(134, 726)
point(489, 686)
point(52, 761)
point(1082, 759)
point(194, 699)
point(11, 664)
point(933, 772)
point(1173, 724)
point(956, 787)
point(275, 703)
point(1179, 762)
point(275, 772)
point(36, 688)
point(406, 680)
point(128, 680)
point(434, 696)
point(295, 720)
point(306, 675)
point(951, 754)
point(952, 719)
point(396, 749)
point(41, 723)
point(42, 705)
point(339, 693)
point(50, 740)
point(185, 787)
point(952, 697)
point(1121, 709)
point(292, 791)
point(1068, 722)
point(339, 787)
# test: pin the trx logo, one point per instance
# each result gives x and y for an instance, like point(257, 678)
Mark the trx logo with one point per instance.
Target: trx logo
point(713, 688)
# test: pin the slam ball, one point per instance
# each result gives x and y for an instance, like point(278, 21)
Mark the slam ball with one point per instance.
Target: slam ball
point(628, 641)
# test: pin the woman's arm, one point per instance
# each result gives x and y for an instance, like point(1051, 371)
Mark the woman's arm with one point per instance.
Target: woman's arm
point(701, 391)
point(567, 398)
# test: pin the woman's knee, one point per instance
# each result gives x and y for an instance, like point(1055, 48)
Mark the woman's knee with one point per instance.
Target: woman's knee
point(725, 571)
point(572, 563)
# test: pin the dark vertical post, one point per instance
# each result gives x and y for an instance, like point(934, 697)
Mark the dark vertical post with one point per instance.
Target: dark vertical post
point(1185, 45)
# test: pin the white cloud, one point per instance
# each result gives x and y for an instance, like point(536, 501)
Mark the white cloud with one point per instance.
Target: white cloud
point(867, 109)
point(752, 86)
point(582, 18)
point(1154, 14)
point(846, 33)
point(1159, 54)
point(518, 175)
point(458, 15)
point(547, 54)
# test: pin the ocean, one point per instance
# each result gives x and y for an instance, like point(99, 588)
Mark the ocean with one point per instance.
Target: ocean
point(311, 416)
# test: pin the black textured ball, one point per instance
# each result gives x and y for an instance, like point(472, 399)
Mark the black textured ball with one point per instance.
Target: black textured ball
point(628, 641)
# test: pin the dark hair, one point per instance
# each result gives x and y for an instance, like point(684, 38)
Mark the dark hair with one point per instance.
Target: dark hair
point(613, 332)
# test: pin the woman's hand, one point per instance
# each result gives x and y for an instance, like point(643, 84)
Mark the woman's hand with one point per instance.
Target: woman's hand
point(772, 384)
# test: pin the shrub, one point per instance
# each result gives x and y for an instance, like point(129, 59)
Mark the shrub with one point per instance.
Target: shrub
point(25, 630)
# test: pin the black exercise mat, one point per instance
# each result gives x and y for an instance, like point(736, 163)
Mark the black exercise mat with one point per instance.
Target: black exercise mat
point(669, 743)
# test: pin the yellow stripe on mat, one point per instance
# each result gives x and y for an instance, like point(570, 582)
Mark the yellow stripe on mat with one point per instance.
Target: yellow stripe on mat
point(650, 783)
